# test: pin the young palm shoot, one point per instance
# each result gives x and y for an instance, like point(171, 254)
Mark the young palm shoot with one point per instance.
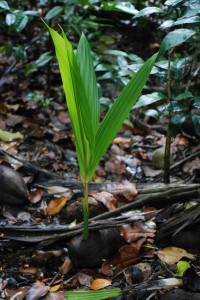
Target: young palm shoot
point(79, 82)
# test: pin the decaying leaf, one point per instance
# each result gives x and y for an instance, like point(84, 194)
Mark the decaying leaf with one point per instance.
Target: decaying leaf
point(125, 189)
point(126, 256)
point(84, 278)
point(99, 284)
point(35, 196)
point(172, 255)
point(37, 290)
point(66, 266)
point(106, 198)
point(55, 288)
point(56, 205)
point(60, 190)
point(7, 136)
point(138, 230)
point(56, 296)
point(115, 166)
point(42, 257)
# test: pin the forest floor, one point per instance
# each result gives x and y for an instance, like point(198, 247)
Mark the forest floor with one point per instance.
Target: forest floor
point(148, 243)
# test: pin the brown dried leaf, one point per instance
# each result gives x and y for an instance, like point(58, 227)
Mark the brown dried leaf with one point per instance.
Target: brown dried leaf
point(43, 256)
point(149, 172)
point(56, 205)
point(55, 288)
point(126, 189)
point(38, 290)
point(84, 279)
point(191, 165)
point(24, 216)
point(100, 283)
point(18, 294)
point(126, 256)
point(66, 266)
point(115, 167)
point(28, 270)
point(56, 296)
point(133, 232)
point(172, 255)
point(35, 196)
point(106, 198)
point(60, 190)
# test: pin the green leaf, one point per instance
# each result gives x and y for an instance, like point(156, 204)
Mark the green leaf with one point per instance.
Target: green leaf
point(43, 59)
point(148, 11)
point(167, 24)
point(152, 113)
point(183, 96)
point(196, 102)
point(82, 103)
point(196, 121)
point(149, 99)
point(172, 2)
point(93, 295)
point(126, 7)
point(191, 20)
point(7, 136)
point(83, 2)
point(55, 11)
point(118, 112)
point(88, 76)
point(10, 19)
point(175, 38)
point(176, 122)
point(116, 52)
point(182, 266)
point(76, 99)
point(4, 5)
point(17, 20)
point(31, 13)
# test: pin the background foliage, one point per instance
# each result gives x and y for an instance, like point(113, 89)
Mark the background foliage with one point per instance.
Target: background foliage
point(117, 56)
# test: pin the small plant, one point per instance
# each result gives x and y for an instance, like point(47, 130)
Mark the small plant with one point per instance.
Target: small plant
point(79, 82)
point(179, 71)
point(44, 101)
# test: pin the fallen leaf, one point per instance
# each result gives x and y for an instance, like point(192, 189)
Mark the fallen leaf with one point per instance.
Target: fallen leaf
point(172, 255)
point(100, 283)
point(125, 189)
point(28, 270)
point(55, 288)
point(38, 290)
point(7, 136)
point(24, 216)
point(182, 266)
point(84, 278)
point(56, 296)
point(122, 140)
point(149, 172)
point(189, 166)
point(35, 196)
point(56, 205)
point(60, 190)
point(138, 230)
point(106, 198)
point(115, 166)
point(17, 294)
point(42, 257)
point(127, 255)
point(66, 266)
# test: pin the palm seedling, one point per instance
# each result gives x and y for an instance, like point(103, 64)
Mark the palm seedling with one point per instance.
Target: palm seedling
point(79, 82)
